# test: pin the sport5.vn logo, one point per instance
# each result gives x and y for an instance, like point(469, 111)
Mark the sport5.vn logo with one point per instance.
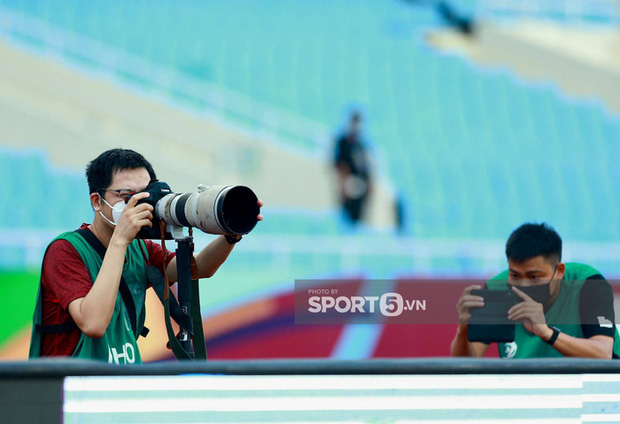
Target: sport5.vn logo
point(390, 304)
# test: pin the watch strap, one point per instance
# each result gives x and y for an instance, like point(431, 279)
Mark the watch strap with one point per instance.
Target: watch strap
point(554, 336)
point(232, 239)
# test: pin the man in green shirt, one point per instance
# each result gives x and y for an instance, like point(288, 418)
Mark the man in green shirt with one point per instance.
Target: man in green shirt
point(563, 309)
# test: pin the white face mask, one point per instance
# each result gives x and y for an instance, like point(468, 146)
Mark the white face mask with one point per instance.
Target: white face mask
point(117, 210)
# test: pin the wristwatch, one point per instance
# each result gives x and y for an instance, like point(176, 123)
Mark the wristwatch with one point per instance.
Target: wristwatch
point(232, 239)
point(554, 336)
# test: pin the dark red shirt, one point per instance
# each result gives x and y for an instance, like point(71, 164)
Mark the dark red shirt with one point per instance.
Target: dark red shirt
point(65, 278)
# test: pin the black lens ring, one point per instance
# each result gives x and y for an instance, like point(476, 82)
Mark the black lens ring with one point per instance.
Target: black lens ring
point(179, 209)
point(219, 212)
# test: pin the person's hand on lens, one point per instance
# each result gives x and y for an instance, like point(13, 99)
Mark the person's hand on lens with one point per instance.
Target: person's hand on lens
point(260, 205)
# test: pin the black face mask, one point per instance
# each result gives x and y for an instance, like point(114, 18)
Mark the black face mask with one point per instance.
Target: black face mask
point(540, 293)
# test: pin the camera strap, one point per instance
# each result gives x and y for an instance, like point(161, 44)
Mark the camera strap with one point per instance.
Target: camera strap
point(156, 280)
point(123, 288)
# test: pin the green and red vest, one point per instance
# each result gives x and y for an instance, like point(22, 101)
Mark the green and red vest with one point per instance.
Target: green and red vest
point(118, 345)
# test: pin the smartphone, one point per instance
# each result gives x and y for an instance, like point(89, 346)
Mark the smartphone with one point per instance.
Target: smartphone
point(490, 323)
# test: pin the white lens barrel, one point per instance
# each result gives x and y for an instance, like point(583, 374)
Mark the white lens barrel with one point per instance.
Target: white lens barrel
point(202, 210)
point(214, 209)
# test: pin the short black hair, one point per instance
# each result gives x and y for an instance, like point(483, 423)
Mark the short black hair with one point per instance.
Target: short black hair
point(99, 171)
point(531, 240)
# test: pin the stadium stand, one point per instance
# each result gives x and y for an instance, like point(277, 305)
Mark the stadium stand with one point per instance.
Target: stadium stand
point(474, 149)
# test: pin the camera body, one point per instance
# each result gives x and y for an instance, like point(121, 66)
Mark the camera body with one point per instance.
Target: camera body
point(157, 190)
point(213, 209)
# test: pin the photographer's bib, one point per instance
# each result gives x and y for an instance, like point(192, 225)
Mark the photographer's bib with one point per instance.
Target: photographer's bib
point(118, 345)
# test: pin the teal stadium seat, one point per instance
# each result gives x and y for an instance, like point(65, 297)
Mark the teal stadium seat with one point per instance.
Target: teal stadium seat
point(475, 152)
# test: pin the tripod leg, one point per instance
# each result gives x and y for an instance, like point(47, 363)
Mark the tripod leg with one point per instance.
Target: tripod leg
point(184, 256)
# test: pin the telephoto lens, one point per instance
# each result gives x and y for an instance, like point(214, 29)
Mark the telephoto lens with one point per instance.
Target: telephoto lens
point(215, 209)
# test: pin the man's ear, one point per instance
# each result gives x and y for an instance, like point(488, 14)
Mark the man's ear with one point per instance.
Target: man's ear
point(559, 274)
point(95, 201)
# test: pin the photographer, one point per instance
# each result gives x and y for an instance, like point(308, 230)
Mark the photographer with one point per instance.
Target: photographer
point(561, 310)
point(79, 311)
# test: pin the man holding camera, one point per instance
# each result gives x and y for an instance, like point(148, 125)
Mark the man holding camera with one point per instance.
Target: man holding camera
point(560, 310)
point(79, 310)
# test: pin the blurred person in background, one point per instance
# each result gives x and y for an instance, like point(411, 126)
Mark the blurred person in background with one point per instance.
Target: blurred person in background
point(79, 312)
point(352, 163)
